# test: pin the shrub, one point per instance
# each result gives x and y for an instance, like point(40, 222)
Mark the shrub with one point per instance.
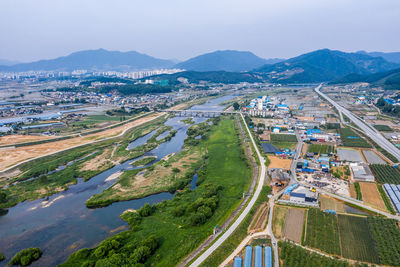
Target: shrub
point(26, 256)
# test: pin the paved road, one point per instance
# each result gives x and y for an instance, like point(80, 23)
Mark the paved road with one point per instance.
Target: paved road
point(366, 128)
point(243, 215)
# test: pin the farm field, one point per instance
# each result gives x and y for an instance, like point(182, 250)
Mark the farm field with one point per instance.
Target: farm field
point(383, 128)
point(294, 224)
point(386, 234)
point(320, 149)
point(371, 195)
point(385, 173)
point(276, 162)
point(284, 137)
point(331, 204)
point(356, 239)
point(278, 222)
point(283, 144)
point(322, 232)
point(352, 139)
point(294, 256)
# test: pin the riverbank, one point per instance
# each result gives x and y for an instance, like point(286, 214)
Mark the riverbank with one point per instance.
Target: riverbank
point(182, 223)
point(52, 174)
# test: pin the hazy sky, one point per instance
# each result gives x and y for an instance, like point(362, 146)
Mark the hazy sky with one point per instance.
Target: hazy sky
point(39, 29)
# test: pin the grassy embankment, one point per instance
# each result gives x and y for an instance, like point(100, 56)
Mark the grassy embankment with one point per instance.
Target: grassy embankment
point(108, 153)
point(182, 223)
point(143, 161)
point(188, 121)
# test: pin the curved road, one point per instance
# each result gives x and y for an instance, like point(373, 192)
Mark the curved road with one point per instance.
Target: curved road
point(244, 213)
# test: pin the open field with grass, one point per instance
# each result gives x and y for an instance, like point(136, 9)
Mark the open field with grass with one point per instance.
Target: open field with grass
point(283, 138)
point(16, 139)
point(179, 225)
point(356, 239)
point(371, 195)
point(329, 203)
point(352, 139)
point(320, 149)
point(383, 128)
point(322, 232)
point(279, 218)
point(386, 173)
point(294, 224)
point(386, 235)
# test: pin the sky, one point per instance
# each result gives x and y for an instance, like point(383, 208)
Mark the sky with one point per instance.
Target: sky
point(180, 29)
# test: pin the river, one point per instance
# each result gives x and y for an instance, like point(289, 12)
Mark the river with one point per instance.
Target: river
point(62, 224)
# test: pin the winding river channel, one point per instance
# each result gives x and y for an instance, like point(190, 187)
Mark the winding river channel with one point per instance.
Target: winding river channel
point(62, 224)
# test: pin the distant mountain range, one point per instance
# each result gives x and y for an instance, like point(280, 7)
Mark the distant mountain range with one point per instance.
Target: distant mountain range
point(323, 65)
point(6, 62)
point(389, 56)
point(226, 60)
point(387, 79)
point(95, 60)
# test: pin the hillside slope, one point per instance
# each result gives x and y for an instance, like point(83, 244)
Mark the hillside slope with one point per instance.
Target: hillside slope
point(227, 60)
point(324, 65)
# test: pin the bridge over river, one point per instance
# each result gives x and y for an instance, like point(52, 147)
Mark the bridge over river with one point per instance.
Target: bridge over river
point(199, 113)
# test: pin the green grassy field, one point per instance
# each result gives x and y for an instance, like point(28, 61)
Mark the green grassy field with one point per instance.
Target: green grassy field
point(386, 234)
point(223, 251)
point(320, 149)
point(386, 173)
point(383, 128)
point(356, 239)
point(182, 223)
point(284, 138)
point(322, 232)
point(352, 139)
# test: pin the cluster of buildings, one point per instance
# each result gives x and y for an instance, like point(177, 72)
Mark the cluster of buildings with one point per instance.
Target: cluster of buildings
point(265, 106)
point(300, 195)
point(37, 75)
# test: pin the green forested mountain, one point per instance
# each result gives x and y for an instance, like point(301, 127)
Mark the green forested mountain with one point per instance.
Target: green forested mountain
point(388, 79)
point(324, 65)
point(388, 56)
point(227, 60)
point(210, 76)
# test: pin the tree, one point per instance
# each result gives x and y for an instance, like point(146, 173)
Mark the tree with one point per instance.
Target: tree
point(236, 106)
point(145, 210)
point(3, 196)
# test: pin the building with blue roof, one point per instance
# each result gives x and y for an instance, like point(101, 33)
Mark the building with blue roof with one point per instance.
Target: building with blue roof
point(268, 256)
point(248, 258)
point(258, 257)
point(237, 262)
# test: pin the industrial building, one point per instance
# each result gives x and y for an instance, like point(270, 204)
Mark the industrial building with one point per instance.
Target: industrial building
point(361, 172)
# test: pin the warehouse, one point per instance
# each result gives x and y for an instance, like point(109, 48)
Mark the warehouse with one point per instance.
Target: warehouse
point(361, 172)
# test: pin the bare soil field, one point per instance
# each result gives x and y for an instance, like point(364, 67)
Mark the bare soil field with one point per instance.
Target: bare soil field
point(279, 219)
point(352, 191)
point(371, 195)
point(294, 224)
point(10, 157)
point(331, 204)
point(259, 220)
point(277, 162)
point(17, 139)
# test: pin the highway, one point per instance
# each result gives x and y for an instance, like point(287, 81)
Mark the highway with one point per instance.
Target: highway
point(367, 129)
point(244, 213)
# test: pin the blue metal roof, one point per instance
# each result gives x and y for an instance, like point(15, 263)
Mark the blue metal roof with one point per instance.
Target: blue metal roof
point(237, 262)
point(258, 257)
point(248, 259)
point(268, 256)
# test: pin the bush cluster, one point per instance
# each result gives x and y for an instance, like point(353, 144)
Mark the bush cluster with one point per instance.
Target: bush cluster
point(26, 256)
